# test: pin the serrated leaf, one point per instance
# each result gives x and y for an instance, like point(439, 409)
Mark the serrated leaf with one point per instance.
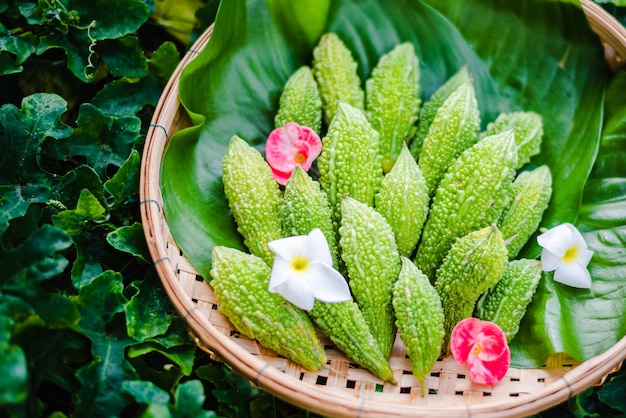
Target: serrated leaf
point(234, 393)
point(124, 185)
point(23, 130)
point(123, 57)
point(67, 189)
point(165, 367)
point(103, 140)
point(75, 221)
point(147, 313)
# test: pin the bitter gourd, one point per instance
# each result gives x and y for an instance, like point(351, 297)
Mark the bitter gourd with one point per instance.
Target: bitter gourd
point(253, 196)
point(505, 304)
point(369, 251)
point(403, 200)
point(350, 161)
point(392, 100)
point(304, 207)
point(430, 107)
point(475, 263)
point(345, 325)
point(531, 192)
point(454, 129)
point(528, 132)
point(240, 282)
point(419, 318)
point(335, 71)
point(472, 195)
point(300, 101)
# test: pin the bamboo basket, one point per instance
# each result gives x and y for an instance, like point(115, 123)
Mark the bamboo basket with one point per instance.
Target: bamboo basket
point(342, 388)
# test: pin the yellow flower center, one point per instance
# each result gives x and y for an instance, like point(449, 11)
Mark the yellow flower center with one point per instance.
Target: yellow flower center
point(300, 158)
point(571, 255)
point(299, 264)
point(477, 349)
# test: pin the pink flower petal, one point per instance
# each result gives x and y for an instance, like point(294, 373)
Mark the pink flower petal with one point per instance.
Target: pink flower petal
point(290, 146)
point(483, 346)
point(463, 338)
point(492, 341)
point(489, 372)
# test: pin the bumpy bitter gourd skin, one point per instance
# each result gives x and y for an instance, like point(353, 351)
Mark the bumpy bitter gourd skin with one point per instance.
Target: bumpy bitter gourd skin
point(430, 107)
point(472, 195)
point(403, 200)
point(350, 162)
point(369, 251)
point(531, 191)
point(300, 101)
point(335, 71)
point(345, 325)
point(528, 133)
point(392, 100)
point(240, 282)
point(305, 207)
point(475, 263)
point(419, 318)
point(253, 196)
point(454, 129)
point(505, 304)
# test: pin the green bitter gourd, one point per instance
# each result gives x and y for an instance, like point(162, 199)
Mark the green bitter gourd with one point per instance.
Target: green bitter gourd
point(392, 100)
point(528, 132)
point(403, 200)
point(419, 318)
point(300, 101)
point(454, 129)
point(304, 207)
point(253, 196)
point(369, 251)
point(240, 282)
point(531, 192)
point(472, 195)
point(505, 304)
point(335, 71)
point(475, 263)
point(430, 107)
point(350, 162)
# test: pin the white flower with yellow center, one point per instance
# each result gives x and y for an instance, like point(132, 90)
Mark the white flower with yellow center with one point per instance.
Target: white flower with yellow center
point(303, 272)
point(565, 251)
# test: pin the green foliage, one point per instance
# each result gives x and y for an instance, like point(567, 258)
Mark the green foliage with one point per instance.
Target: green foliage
point(86, 328)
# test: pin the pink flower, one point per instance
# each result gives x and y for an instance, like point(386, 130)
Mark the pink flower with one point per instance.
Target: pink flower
point(290, 146)
point(482, 345)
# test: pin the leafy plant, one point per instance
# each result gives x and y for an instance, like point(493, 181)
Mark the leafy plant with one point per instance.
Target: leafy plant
point(85, 326)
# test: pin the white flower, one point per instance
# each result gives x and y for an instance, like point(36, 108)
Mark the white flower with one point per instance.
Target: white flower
point(303, 272)
point(565, 251)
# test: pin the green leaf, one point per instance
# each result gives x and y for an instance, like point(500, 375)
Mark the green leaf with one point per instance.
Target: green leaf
point(14, 369)
point(124, 185)
point(612, 392)
point(23, 130)
point(21, 46)
point(147, 392)
point(165, 367)
point(584, 323)
point(251, 55)
point(78, 45)
point(15, 200)
point(124, 57)
point(103, 140)
point(99, 303)
point(114, 18)
point(87, 266)
point(234, 393)
point(188, 400)
point(147, 313)
point(127, 97)
point(130, 239)
point(88, 209)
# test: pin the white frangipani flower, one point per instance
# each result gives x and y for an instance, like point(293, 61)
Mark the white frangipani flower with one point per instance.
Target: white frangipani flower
point(303, 272)
point(565, 251)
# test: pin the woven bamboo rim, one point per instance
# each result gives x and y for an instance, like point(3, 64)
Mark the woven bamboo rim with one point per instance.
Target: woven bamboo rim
point(343, 389)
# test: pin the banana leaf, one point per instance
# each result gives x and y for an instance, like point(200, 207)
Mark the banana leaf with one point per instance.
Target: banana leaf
point(523, 55)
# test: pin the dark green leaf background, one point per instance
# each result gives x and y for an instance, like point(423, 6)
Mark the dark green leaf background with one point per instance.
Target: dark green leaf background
point(532, 55)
